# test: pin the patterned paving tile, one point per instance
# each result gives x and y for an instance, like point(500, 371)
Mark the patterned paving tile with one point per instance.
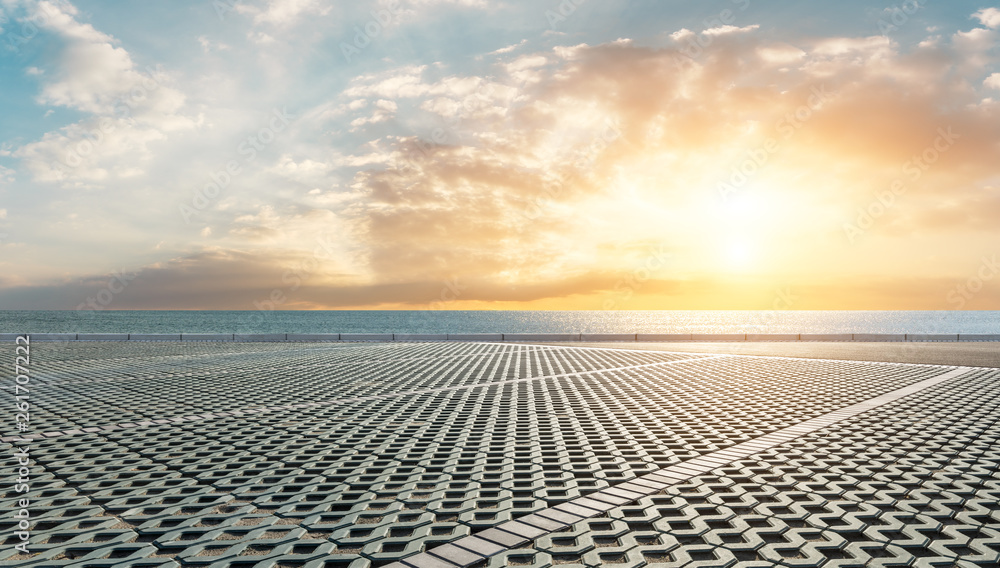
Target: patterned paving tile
point(366, 454)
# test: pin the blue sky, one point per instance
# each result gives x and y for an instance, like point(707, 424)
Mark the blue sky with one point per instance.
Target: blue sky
point(409, 162)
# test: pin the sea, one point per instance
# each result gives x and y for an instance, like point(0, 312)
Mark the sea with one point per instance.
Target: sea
point(707, 321)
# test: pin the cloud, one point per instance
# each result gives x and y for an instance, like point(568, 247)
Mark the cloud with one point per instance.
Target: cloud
point(724, 30)
point(243, 280)
point(284, 12)
point(993, 81)
point(127, 108)
point(93, 72)
point(780, 54)
point(509, 48)
point(207, 45)
point(257, 282)
point(538, 173)
point(977, 210)
point(95, 150)
point(989, 17)
point(464, 3)
point(490, 196)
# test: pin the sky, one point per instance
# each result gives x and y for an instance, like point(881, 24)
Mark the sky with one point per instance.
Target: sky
point(473, 154)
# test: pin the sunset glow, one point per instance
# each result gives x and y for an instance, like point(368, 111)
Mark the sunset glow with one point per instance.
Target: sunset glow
point(485, 155)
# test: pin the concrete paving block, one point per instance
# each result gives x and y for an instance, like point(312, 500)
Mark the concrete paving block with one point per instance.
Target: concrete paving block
point(679, 471)
point(541, 337)
point(733, 453)
point(313, 336)
point(663, 337)
point(445, 474)
point(609, 498)
point(206, 337)
point(561, 516)
point(607, 337)
point(366, 337)
point(719, 337)
point(527, 531)
point(711, 461)
point(420, 336)
point(635, 488)
point(102, 337)
point(618, 491)
point(932, 337)
point(425, 560)
point(475, 337)
point(652, 484)
point(574, 507)
point(154, 337)
point(479, 546)
point(596, 505)
point(270, 337)
point(541, 522)
point(876, 337)
point(977, 337)
point(52, 336)
point(664, 476)
point(456, 555)
point(826, 337)
point(502, 537)
point(772, 337)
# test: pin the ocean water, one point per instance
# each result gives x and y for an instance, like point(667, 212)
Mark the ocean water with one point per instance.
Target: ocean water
point(500, 322)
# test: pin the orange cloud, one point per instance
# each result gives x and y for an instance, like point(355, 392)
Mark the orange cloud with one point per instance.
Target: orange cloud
point(557, 180)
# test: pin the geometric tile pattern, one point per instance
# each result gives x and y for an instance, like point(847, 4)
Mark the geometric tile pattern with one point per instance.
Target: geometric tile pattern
point(473, 550)
point(410, 446)
point(916, 483)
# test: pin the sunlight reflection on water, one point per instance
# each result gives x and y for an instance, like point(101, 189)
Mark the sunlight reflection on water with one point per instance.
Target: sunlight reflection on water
point(500, 322)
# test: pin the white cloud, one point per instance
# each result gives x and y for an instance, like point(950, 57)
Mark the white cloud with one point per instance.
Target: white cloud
point(976, 47)
point(399, 83)
point(93, 71)
point(527, 68)
point(3, 213)
point(387, 106)
point(526, 62)
point(509, 48)
point(725, 30)
point(376, 97)
point(128, 107)
point(93, 74)
point(284, 12)
point(990, 17)
point(467, 3)
point(91, 77)
point(681, 34)
point(852, 45)
point(207, 45)
point(993, 81)
point(303, 170)
point(781, 54)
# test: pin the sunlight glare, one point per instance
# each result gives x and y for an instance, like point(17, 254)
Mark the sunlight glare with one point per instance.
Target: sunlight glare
point(738, 254)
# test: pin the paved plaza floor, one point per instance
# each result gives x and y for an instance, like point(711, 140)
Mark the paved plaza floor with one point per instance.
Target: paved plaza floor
point(353, 455)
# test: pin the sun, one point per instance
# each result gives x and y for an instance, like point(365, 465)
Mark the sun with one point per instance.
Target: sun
point(738, 254)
